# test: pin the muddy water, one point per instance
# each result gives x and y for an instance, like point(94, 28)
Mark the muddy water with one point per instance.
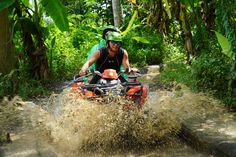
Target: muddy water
point(70, 126)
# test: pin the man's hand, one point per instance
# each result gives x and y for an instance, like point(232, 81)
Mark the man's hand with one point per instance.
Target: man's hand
point(131, 70)
point(82, 72)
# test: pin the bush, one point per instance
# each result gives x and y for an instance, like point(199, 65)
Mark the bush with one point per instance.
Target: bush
point(174, 52)
point(178, 73)
point(19, 83)
point(144, 47)
point(70, 50)
point(210, 71)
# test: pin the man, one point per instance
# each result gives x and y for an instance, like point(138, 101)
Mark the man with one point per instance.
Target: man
point(102, 42)
point(112, 56)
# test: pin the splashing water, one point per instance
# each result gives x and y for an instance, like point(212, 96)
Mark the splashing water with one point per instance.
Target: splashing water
point(76, 124)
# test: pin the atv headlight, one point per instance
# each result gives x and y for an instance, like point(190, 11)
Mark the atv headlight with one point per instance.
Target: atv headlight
point(102, 81)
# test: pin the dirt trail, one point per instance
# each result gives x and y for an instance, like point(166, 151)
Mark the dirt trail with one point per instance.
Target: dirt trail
point(28, 144)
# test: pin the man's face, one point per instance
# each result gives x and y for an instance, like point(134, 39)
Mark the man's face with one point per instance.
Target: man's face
point(114, 45)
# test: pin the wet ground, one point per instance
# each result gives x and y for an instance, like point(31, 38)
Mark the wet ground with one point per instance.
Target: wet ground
point(28, 145)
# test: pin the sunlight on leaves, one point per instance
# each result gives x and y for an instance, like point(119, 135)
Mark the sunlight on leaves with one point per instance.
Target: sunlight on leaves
point(225, 45)
point(142, 40)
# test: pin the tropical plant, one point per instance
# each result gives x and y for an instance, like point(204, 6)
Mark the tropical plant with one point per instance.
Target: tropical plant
point(28, 17)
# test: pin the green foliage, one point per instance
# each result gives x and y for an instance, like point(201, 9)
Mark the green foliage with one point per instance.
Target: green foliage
point(53, 8)
point(31, 88)
point(129, 27)
point(225, 45)
point(99, 11)
point(144, 47)
point(225, 18)
point(176, 73)
point(63, 56)
point(57, 12)
point(5, 4)
point(7, 84)
point(210, 71)
point(142, 40)
point(68, 51)
point(25, 2)
point(18, 82)
point(174, 52)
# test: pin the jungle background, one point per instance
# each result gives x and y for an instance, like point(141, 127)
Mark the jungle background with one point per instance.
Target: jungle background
point(43, 42)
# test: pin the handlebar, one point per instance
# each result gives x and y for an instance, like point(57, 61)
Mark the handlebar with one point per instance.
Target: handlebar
point(133, 72)
point(78, 78)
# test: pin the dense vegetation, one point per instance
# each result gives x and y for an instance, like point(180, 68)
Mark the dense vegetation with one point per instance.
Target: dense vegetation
point(49, 41)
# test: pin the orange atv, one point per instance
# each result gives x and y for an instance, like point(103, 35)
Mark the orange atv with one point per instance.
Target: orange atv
point(109, 86)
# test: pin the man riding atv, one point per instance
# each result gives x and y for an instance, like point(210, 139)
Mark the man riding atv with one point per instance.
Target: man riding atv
point(102, 42)
point(107, 79)
point(111, 56)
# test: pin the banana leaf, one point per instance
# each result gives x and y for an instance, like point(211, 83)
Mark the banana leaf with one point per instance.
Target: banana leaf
point(225, 45)
point(57, 12)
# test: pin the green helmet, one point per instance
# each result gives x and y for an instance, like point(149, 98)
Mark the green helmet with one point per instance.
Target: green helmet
point(114, 36)
point(108, 29)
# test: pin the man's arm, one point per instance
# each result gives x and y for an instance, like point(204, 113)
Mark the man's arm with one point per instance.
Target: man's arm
point(89, 62)
point(125, 60)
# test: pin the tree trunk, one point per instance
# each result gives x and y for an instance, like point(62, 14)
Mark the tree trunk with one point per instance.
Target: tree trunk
point(186, 31)
point(8, 60)
point(208, 14)
point(117, 13)
point(37, 53)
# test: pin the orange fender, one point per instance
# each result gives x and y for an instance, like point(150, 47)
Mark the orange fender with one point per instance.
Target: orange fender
point(74, 87)
point(137, 89)
point(89, 93)
point(144, 94)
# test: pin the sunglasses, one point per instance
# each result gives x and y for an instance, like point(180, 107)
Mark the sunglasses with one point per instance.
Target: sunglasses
point(116, 42)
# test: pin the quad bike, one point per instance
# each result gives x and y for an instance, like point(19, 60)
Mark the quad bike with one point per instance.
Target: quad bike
point(109, 87)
